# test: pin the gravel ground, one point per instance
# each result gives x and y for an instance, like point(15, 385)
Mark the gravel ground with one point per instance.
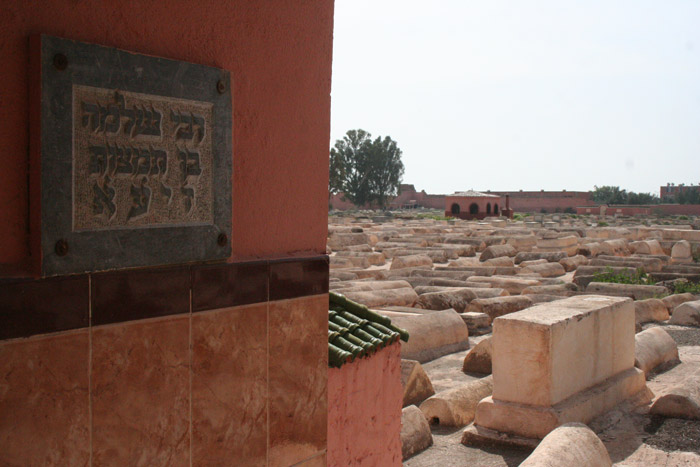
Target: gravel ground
point(683, 335)
point(448, 451)
point(673, 434)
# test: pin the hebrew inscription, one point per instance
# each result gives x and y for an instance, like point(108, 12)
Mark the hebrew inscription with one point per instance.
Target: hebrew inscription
point(140, 160)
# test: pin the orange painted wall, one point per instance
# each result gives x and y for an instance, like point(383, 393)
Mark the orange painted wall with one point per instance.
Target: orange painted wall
point(364, 410)
point(279, 54)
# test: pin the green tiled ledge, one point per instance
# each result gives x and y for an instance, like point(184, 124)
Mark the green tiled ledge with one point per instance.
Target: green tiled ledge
point(355, 331)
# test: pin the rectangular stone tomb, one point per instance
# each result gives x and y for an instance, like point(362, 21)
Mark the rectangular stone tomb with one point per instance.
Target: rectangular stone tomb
point(558, 362)
point(131, 159)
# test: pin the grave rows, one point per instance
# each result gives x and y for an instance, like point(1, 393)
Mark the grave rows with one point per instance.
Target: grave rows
point(445, 281)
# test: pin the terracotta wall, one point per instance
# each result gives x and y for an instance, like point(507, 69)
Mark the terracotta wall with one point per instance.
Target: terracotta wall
point(677, 209)
point(194, 364)
point(364, 410)
point(655, 209)
point(550, 201)
point(279, 55)
point(408, 193)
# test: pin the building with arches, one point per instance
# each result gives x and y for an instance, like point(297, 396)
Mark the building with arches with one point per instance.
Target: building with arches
point(473, 205)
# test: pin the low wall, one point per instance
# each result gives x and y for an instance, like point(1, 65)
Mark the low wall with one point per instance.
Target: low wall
point(645, 210)
point(364, 410)
point(549, 201)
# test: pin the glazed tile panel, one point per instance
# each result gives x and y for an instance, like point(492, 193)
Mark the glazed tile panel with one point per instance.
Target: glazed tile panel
point(140, 393)
point(298, 378)
point(189, 364)
point(44, 400)
point(229, 385)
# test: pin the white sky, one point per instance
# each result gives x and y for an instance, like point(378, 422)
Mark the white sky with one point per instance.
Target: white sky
point(509, 95)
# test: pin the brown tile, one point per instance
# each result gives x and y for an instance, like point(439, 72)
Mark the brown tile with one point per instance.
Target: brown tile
point(298, 372)
point(228, 285)
point(229, 386)
point(140, 393)
point(44, 400)
point(140, 294)
point(43, 306)
point(298, 277)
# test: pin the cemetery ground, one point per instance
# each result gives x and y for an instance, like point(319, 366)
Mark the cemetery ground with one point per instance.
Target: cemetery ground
point(472, 294)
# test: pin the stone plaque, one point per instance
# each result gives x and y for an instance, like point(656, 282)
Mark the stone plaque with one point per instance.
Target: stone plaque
point(140, 160)
point(135, 159)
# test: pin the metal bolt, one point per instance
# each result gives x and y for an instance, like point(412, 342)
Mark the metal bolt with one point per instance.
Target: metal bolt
point(61, 247)
point(221, 87)
point(222, 239)
point(60, 61)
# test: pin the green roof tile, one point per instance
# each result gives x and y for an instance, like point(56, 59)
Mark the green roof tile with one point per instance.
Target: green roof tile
point(355, 331)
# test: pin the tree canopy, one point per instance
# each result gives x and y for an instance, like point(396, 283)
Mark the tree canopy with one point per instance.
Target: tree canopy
point(365, 170)
point(688, 196)
point(615, 195)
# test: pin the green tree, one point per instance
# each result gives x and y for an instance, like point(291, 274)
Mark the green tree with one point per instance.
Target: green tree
point(688, 196)
point(365, 170)
point(336, 173)
point(387, 169)
point(614, 195)
point(353, 157)
point(609, 195)
point(642, 198)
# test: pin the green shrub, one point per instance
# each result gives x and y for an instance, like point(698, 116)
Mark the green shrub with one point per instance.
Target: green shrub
point(602, 224)
point(436, 217)
point(639, 277)
point(685, 287)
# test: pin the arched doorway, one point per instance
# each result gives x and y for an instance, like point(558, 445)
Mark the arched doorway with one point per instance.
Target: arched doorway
point(495, 208)
point(488, 208)
point(455, 208)
point(473, 208)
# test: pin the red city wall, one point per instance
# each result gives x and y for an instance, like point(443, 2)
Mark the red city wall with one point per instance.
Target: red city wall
point(279, 55)
point(550, 201)
point(364, 410)
point(421, 198)
point(677, 209)
point(614, 210)
point(656, 209)
point(408, 193)
point(338, 202)
point(535, 201)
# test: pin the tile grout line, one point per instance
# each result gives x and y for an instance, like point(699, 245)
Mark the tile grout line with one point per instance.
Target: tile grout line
point(267, 365)
point(90, 427)
point(191, 355)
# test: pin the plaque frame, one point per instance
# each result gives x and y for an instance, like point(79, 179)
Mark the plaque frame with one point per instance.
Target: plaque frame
point(64, 63)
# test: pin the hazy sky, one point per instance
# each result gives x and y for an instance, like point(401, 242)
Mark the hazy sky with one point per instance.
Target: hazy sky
point(508, 95)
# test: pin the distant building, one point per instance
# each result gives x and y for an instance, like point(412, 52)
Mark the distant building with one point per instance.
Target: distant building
point(472, 205)
point(669, 192)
